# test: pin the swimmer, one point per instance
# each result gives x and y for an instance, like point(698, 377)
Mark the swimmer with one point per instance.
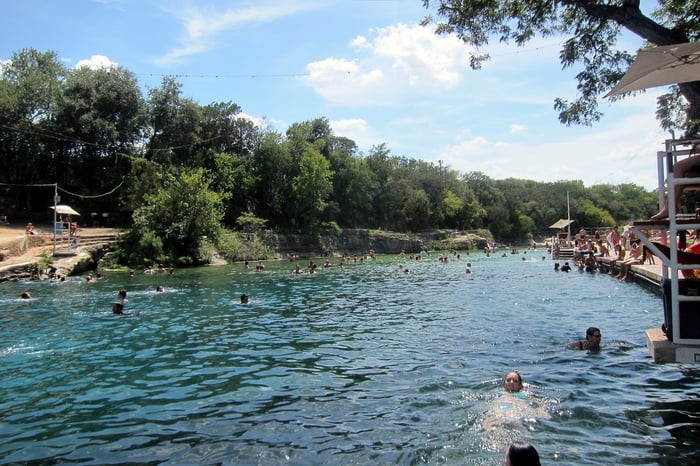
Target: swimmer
point(160, 288)
point(513, 406)
point(26, 295)
point(118, 306)
point(245, 299)
point(522, 454)
point(591, 343)
point(512, 382)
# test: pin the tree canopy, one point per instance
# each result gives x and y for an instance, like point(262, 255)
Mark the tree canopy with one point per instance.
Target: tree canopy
point(184, 171)
point(591, 30)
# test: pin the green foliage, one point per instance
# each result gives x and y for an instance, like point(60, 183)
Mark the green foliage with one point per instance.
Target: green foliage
point(149, 249)
point(311, 187)
point(192, 170)
point(182, 213)
point(332, 228)
point(249, 223)
point(235, 246)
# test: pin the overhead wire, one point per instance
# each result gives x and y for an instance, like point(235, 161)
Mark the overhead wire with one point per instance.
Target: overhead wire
point(55, 185)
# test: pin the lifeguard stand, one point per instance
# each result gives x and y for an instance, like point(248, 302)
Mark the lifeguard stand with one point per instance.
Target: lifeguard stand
point(681, 295)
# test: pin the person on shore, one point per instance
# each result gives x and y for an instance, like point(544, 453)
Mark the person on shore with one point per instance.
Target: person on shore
point(601, 248)
point(635, 257)
point(522, 454)
point(30, 229)
point(619, 255)
point(591, 343)
point(613, 238)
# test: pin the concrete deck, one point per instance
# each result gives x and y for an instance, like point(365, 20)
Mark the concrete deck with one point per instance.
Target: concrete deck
point(662, 350)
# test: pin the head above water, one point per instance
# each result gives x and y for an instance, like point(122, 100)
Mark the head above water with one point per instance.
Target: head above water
point(522, 454)
point(512, 382)
point(593, 337)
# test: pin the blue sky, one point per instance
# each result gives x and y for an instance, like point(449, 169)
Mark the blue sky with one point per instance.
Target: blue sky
point(365, 65)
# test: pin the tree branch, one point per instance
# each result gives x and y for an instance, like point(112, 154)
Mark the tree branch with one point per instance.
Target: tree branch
point(631, 17)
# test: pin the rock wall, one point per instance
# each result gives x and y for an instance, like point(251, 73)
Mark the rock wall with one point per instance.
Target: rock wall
point(359, 241)
point(23, 271)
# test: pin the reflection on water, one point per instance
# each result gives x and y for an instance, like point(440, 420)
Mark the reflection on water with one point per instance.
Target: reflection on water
point(359, 365)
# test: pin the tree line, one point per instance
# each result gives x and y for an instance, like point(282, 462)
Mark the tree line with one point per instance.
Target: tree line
point(187, 171)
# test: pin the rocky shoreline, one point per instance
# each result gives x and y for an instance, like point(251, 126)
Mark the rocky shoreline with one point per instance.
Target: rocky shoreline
point(28, 255)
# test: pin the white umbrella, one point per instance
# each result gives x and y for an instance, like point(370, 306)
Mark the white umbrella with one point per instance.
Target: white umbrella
point(661, 66)
point(65, 210)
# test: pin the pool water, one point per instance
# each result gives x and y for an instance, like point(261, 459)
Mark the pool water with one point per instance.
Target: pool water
point(359, 365)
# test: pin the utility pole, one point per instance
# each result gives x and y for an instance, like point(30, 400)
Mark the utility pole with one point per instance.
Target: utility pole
point(55, 202)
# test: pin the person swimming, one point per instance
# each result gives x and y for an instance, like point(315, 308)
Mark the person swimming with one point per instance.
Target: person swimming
point(118, 306)
point(591, 343)
point(513, 384)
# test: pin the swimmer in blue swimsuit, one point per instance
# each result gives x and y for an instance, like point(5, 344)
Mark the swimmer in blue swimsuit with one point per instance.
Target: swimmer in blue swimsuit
point(512, 387)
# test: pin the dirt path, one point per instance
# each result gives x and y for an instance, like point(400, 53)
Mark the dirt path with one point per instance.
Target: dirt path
point(18, 248)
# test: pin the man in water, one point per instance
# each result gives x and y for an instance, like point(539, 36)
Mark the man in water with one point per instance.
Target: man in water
point(591, 343)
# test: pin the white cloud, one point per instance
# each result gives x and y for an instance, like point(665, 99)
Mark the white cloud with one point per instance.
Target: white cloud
point(621, 152)
point(96, 62)
point(356, 129)
point(203, 24)
point(257, 121)
point(517, 129)
point(395, 61)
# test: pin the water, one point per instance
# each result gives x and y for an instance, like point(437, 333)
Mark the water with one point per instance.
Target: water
point(356, 366)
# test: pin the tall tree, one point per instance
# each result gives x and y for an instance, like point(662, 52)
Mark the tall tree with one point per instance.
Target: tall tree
point(311, 188)
point(271, 170)
point(592, 29)
point(30, 89)
point(174, 126)
point(101, 116)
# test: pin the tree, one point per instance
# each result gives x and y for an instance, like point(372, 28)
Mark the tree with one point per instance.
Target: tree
point(30, 88)
point(592, 29)
point(174, 126)
point(272, 166)
point(311, 187)
point(101, 116)
point(181, 214)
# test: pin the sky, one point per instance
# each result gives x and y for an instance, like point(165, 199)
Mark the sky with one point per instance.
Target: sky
point(369, 68)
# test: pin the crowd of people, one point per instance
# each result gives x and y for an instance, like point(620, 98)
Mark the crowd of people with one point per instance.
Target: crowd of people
point(606, 252)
